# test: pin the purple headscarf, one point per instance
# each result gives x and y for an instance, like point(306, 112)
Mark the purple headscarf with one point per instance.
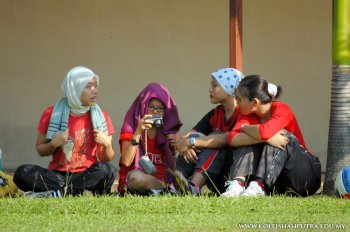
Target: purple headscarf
point(171, 122)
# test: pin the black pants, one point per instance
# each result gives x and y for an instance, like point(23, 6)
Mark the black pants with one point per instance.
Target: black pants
point(293, 170)
point(98, 178)
point(212, 163)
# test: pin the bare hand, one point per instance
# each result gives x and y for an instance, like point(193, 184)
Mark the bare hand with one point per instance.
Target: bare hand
point(279, 140)
point(190, 155)
point(60, 138)
point(172, 140)
point(144, 124)
point(182, 144)
point(102, 138)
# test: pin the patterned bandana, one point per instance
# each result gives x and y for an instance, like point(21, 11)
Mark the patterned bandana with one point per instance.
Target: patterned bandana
point(229, 79)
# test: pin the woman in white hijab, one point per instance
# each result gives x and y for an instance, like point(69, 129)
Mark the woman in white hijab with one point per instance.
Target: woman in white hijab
point(78, 136)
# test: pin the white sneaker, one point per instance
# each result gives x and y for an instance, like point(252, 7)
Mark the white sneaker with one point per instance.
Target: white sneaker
point(234, 189)
point(253, 190)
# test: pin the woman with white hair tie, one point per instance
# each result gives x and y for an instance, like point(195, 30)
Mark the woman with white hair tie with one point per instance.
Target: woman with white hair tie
point(78, 136)
point(270, 155)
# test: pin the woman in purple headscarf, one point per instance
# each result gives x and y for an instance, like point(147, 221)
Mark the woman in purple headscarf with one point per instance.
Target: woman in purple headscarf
point(149, 131)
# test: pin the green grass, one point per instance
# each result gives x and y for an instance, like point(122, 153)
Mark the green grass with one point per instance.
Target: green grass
point(168, 213)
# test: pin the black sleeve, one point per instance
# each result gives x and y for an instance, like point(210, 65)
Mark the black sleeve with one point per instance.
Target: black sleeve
point(203, 125)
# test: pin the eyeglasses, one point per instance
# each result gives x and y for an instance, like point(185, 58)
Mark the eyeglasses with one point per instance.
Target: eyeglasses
point(159, 109)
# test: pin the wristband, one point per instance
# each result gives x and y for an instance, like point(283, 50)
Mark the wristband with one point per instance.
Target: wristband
point(192, 141)
point(134, 142)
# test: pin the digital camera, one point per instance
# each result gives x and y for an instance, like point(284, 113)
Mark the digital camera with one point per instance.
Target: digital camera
point(157, 120)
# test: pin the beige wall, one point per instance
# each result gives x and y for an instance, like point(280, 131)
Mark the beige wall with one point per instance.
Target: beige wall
point(289, 43)
point(178, 43)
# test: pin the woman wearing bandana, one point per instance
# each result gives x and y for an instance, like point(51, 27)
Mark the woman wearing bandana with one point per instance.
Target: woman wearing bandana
point(205, 160)
point(142, 137)
point(78, 136)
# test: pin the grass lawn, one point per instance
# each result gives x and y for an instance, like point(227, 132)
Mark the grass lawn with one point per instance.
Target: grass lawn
point(169, 213)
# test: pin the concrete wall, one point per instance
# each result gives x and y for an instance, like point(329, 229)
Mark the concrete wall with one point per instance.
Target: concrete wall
point(289, 43)
point(130, 43)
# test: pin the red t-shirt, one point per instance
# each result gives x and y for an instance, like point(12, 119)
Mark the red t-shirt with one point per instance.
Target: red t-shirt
point(215, 121)
point(218, 121)
point(81, 132)
point(155, 154)
point(281, 117)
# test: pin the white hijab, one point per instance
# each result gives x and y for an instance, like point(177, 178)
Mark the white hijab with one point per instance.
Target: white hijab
point(73, 85)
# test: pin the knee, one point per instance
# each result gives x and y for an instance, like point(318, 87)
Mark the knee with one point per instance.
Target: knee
point(135, 179)
point(107, 168)
point(21, 172)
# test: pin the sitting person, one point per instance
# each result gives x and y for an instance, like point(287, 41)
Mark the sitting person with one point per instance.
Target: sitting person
point(142, 137)
point(78, 136)
point(271, 156)
point(7, 187)
point(204, 160)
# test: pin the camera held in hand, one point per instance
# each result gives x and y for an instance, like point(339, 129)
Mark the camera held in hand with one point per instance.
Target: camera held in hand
point(157, 120)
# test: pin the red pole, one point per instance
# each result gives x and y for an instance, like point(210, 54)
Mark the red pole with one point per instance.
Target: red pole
point(236, 46)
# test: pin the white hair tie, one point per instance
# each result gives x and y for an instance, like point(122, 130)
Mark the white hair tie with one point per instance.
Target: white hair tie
point(272, 88)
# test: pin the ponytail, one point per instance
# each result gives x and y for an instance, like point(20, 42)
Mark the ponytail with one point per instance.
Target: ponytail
point(274, 91)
